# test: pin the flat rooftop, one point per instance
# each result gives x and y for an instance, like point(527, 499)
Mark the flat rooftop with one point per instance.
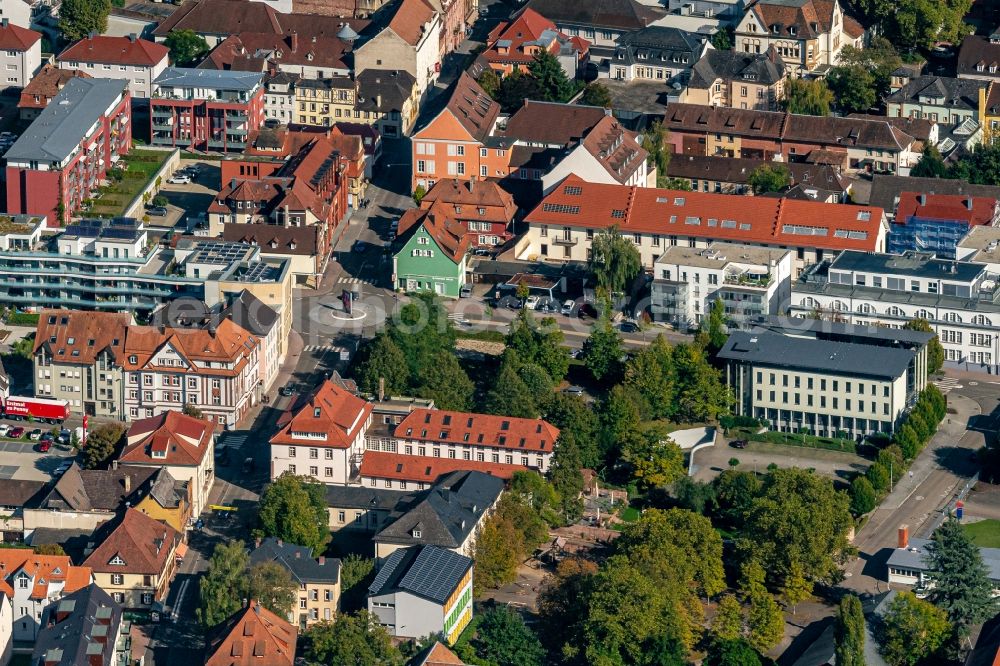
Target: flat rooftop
point(913, 557)
point(821, 356)
point(64, 123)
point(908, 264)
point(984, 242)
point(720, 255)
point(217, 79)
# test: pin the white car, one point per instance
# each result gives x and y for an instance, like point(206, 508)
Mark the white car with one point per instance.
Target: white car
point(3, 429)
point(179, 180)
point(531, 303)
point(567, 308)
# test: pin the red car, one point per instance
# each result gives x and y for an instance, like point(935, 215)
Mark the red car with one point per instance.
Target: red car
point(16, 432)
point(44, 446)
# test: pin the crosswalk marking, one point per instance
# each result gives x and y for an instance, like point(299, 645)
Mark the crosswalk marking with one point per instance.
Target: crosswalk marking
point(947, 384)
point(353, 280)
point(335, 348)
point(234, 440)
point(456, 316)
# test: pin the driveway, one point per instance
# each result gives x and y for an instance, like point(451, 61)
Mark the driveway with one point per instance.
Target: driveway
point(711, 461)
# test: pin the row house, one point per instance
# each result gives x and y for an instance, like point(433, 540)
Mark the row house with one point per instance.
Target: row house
point(979, 57)
point(137, 61)
point(483, 208)
point(411, 41)
point(34, 582)
point(740, 80)
point(21, 53)
point(323, 437)
point(731, 175)
point(68, 149)
point(204, 109)
point(853, 144)
point(323, 102)
point(86, 627)
point(314, 57)
point(39, 92)
point(808, 35)
point(512, 46)
point(563, 225)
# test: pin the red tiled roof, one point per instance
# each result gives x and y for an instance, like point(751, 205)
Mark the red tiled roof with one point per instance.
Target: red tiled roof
point(946, 207)
point(527, 27)
point(143, 543)
point(506, 432)
point(247, 50)
point(765, 220)
point(409, 20)
point(46, 85)
point(810, 18)
point(227, 343)
point(439, 655)
point(254, 636)
point(16, 38)
point(616, 148)
point(181, 439)
point(115, 51)
point(470, 196)
point(73, 336)
point(425, 469)
point(449, 235)
point(331, 411)
point(43, 569)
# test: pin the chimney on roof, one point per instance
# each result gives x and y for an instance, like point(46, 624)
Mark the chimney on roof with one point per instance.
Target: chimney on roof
point(91, 35)
point(295, 41)
point(472, 183)
point(114, 464)
point(256, 542)
point(922, 199)
point(4, 22)
point(132, 37)
point(378, 101)
point(128, 483)
point(280, 543)
point(903, 536)
point(968, 203)
point(298, 554)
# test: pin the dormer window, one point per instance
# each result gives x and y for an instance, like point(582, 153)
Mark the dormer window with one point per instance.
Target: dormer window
point(117, 561)
point(993, 68)
point(416, 534)
point(22, 582)
point(133, 359)
point(791, 30)
point(980, 67)
point(317, 412)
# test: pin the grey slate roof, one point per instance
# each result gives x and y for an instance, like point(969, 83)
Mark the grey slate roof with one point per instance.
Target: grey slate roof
point(954, 93)
point(616, 14)
point(425, 571)
point(94, 619)
point(912, 264)
point(760, 68)
point(658, 45)
point(834, 331)
point(773, 350)
point(62, 125)
point(915, 557)
point(251, 313)
point(19, 493)
point(216, 79)
point(298, 560)
point(446, 514)
point(885, 190)
point(360, 497)
point(384, 89)
point(98, 489)
point(167, 491)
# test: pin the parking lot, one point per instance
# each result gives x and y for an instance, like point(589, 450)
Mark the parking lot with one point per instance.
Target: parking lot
point(188, 200)
point(23, 459)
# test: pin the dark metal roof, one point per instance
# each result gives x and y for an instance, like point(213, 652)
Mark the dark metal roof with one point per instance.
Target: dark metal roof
point(360, 497)
point(298, 560)
point(909, 264)
point(834, 331)
point(87, 635)
point(426, 571)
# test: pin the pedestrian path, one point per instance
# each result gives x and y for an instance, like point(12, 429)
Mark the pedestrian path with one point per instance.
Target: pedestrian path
point(947, 384)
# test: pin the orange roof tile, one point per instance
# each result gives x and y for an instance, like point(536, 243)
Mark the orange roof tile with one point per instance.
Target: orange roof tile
point(450, 236)
point(439, 655)
point(765, 220)
point(43, 569)
point(515, 434)
point(143, 543)
point(425, 469)
point(16, 38)
point(254, 636)
point(409, 20)
point(73, 336)
point(115, 51)
point(331, 411)
point(974, 210)
point(170, 438)
point(46, 85)
point(227, 343)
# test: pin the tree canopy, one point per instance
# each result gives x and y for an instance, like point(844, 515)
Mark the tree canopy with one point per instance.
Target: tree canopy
point(596, 94)
point(962, 587)
point(79, 18)
point(186, 47)
point(602, 350)
point(811, 97)
point(849, 632)
point(293, 508)
point(656, 140)
point(503, 639)
point(102, 442)
point(614, 261)
point(935, 352)
point(912, 630)
point(769, 178)
point(355, 639)
point(222, 584)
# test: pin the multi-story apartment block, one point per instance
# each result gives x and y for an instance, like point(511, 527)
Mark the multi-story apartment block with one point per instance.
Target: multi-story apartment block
point(937, 222)
point(85, 627)
point(323, 102)
point(941, 99)
point(825, 378)
point(656, 53)
point(388, 99)
point(40, 90)
point(731, 175)
point(206, 109)
point(318, 580)
point(69, 148)
point(750, 281)
point(600, 22)
point(807, 34)
point(21, 54)
point(740, 80)
point(513, 45)
point(981, 245)
point(181, 444)
point(563, 226)
point(134, 60)
point(19, 12)
point(135, 559)
point(279, 97)
point(34, 582)
point(960, 299)
point(485, 209)
point(106, 366)
point(853, 144)
point(325, 439)
point(411, 41)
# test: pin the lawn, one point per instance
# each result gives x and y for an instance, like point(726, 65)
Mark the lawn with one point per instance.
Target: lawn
point(984, 533)
point(795, 439)
point(125, 185)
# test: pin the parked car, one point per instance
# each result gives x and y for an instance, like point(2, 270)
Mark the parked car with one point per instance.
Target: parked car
point(628, 327)
point(573, 390)
point(567, 308)
point(44, 446)
point(482, 252)
point(3, 429)
point(35, 434)
point(586, 311)
point(512, 302)
point(159, 211)
point(287, 390)
point(739, 443)
point(17, 432)
point(465, 291)
point(532, 302)
point(179, 179)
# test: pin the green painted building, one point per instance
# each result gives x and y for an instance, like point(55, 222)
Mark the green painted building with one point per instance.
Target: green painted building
point(431, 253)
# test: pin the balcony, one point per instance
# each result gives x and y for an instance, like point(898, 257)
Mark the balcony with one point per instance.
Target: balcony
point(237, 117)
point(163, 113)
point(167, 126)
point(236, 131)
point(565, 241)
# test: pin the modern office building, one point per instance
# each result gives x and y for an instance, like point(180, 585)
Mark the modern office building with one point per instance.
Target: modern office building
point(68, 149)
point(960, 299)
point(750, 281)
point(825, 378)
point(206, 109)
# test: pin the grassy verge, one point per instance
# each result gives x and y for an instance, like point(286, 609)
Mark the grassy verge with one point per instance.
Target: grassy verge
point(125, 185)
point(486, 336)
point(22, 319)
point(795, 439)
point(984, 533)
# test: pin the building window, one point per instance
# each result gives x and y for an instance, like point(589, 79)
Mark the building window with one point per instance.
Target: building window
point(117, 579)
point(147, 598)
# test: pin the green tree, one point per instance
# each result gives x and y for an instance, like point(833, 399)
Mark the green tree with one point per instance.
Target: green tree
point(553, 83)
point(222, 585)
point(912, 630)
point(697, 496)
point(650, 374)
point(863, 497)
point(735, 494)
point(186, 47)
point(891, 459)
point(716, 330)
point(722, 40)
point(931, 164)
point(357, 640)
point(510, 395)
point(422, 331)
point(853, 86)
point(701, 393)
point(102, 442)
point(811, 97)
point(769, 178)
point(271, 584)
point(736, 652)
point(935, 352)
point(614, 261)
point(385, 361)
point(541, 343)
point(356, 574)
point(293, 508)
point(79, 18)
point(191, 410)
point(796, 588)
point(489, 81)
point(879, 58)
point(503, 639)
point(619, 417)
point(517, 87)
point(656, 141)
point(908, 441)
point(566, 478)
point(602, 350)
point(576, 419)
point(596, 94)
point(656, 460)
point(445, 382)
point(496, 554)
point(849, 632)
point(920, 24)
point(561, 605)
point(981, 166)
point(533, 490)
point(962, 587)
point(419, 193)
point(728, 622)
point(765, 620)
point(48, 549)
point(878, 475)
